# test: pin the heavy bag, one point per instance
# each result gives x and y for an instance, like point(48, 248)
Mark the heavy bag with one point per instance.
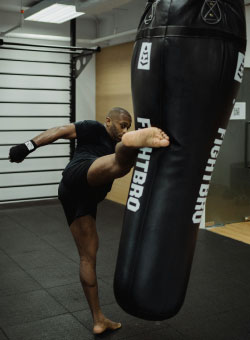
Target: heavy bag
point(187, 67)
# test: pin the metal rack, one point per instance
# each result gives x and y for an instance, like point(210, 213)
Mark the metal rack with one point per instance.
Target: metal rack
point(77, 54)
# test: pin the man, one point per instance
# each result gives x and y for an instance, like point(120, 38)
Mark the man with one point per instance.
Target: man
point(103, 153)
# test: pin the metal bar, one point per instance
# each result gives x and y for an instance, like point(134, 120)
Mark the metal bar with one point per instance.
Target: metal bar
point(31, 130)
point(51, 46)
point(29, 171)
point(38, 157)
point(35, 117)
point(28, 185)
point(36, 61)
point(12, 144)
point(27, 199)
point(72, 84)
point(40, 103)
point(85, 53)
point(45, 51)
point(32, 75)
point(30, 89)
point(246, 143)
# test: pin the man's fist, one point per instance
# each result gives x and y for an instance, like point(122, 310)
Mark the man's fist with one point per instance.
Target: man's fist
point(19, 152)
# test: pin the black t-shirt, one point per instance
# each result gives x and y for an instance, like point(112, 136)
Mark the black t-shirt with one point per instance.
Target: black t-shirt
point(93, 141)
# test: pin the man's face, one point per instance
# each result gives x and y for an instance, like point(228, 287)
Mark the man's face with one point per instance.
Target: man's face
point(118, 126)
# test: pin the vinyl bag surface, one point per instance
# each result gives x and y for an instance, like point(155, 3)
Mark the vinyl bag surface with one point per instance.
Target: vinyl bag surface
point(187, 67)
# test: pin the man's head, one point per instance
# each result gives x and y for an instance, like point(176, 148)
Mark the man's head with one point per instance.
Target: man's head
point(118, 121)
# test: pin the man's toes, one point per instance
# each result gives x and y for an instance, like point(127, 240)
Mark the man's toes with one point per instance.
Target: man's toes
point(164, 142)
point(118, 325)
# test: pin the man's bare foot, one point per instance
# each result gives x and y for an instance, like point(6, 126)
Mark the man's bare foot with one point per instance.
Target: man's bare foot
point(104, 325)
point(148, 137)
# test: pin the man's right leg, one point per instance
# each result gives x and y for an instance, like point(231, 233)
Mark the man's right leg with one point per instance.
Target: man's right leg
point(107, 168)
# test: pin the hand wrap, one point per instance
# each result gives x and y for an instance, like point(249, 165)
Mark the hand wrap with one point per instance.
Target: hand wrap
point(19, 152)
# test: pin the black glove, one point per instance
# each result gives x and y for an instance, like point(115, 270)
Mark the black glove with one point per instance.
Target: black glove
point(19, 152)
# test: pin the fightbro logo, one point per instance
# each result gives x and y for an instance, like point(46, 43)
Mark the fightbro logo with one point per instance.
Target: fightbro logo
point(240, 68)
point(145, 55)
point(140, 173)
point(201, 201)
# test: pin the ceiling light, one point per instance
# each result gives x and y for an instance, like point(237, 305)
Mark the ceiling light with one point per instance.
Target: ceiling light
point(55, 13)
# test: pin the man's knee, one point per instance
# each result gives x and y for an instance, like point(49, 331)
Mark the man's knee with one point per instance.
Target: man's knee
point(84, 232)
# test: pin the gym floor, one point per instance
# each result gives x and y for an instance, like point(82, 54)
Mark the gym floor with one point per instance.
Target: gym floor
point(41, 297)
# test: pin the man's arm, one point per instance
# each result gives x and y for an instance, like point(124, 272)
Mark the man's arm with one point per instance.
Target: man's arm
point(51, 135)
point(19, 152)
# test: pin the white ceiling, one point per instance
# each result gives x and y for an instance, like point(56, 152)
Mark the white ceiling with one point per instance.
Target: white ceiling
point(15, 5)
point(101, 19)
point(100, 6)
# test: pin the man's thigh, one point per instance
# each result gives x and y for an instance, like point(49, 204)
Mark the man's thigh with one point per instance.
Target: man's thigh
point(102, 171)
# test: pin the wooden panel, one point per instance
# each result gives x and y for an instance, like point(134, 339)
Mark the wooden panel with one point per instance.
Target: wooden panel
point(113, 88)
point(236, 231)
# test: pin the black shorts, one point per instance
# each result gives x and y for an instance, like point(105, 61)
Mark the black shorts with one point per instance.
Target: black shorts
point(76, 196)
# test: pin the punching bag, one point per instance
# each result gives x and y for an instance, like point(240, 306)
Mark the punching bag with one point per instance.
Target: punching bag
point(187, 67)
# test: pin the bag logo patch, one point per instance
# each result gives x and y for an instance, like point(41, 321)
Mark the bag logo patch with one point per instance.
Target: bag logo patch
point(145, 55)
point(240, 68)
point(211, 12)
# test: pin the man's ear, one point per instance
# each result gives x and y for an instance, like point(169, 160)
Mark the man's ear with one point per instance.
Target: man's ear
point(108, 121)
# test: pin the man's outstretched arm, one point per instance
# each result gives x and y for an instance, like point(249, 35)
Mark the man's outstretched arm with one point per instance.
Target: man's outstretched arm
point(19, 152)
point(51, 135)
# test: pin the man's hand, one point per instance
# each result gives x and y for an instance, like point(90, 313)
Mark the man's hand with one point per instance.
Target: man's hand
point(19, 152)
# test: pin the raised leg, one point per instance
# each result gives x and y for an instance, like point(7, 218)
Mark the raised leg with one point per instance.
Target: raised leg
point(106, 169)
point(86, 239)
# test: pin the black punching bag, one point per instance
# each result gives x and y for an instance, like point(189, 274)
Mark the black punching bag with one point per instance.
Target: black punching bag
point(187, 67)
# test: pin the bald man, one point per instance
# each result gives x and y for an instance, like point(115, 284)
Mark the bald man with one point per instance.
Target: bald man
point(103, 153)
